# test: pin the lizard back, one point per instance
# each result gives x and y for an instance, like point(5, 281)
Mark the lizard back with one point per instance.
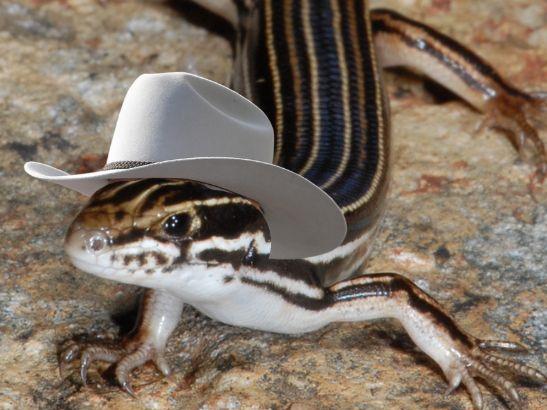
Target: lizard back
point(311, 66)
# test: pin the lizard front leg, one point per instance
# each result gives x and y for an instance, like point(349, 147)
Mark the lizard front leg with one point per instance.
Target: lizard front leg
point(159, 314)
point(462, 357)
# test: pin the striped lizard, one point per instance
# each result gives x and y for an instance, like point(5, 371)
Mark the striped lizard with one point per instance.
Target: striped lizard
point(314, 66)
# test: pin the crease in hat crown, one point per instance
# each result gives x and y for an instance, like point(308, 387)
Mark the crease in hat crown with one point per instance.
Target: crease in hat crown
point(179, 125)
point(169, 116)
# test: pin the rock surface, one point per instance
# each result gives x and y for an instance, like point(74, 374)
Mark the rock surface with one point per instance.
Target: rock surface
point(465, 219)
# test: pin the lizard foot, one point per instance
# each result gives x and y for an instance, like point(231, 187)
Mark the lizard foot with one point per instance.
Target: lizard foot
point(479, 362)
point(124, 357)
point(158, 316)
point(513, 115)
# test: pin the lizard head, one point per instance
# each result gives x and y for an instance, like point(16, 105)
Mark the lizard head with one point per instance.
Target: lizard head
point(154, 232)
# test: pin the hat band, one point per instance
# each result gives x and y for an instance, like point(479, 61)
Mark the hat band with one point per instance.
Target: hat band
point(125, 164)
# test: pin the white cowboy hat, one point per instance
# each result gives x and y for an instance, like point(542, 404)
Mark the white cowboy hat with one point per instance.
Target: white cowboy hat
point(179, 125)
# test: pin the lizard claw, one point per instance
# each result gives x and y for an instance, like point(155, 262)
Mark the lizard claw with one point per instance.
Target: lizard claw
point(124, 359)
point(138, 357)
point(67, 356)
point(84, 366)
point(126, 386)
point(473, 389)
point(94, 353)
point(454, 381)
point(503, 345)
point(512, 115)
point(478, 363)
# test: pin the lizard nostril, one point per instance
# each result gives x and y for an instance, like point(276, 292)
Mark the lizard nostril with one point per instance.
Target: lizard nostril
point(96, 242)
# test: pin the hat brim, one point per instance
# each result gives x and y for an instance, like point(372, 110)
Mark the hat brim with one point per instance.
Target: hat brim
point(303, 220)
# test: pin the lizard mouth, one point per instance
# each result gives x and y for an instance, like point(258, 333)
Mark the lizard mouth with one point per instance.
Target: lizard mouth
point(141, 262)
point(92, 267)
point(92, 251)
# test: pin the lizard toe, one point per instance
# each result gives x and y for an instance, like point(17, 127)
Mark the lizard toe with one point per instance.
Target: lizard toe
point(493, 370)
point(513, 116)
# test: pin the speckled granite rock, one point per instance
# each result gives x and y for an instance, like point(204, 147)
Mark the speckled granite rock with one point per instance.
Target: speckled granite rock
point(465, 219)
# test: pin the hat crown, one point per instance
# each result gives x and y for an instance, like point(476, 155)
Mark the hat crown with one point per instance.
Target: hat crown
point(179, 115)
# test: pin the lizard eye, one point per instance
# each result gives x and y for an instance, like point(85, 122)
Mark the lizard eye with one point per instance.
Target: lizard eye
point(177, 225)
